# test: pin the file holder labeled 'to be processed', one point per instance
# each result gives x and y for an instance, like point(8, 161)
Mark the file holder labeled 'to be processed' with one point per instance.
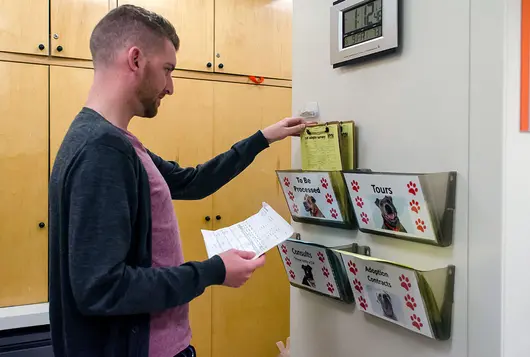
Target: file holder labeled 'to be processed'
point(420, 301)
point(415, 207)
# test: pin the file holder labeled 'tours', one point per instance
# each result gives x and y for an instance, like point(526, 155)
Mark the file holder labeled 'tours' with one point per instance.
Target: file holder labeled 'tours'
point(318, 269)
point(317, 197)
point(415, 207)
point(420, 301)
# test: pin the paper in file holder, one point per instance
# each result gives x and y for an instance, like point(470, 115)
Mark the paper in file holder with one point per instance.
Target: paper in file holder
point(416, 207)
point(317, 197)
point(420, 301)
point(318, 269)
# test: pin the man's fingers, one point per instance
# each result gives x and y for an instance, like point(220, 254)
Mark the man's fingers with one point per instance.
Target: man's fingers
point(295, 130)
point(294, 121)
point(259, 262)
point(245, 254)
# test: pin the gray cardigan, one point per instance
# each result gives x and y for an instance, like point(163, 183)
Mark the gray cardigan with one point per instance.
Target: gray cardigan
point(102, 287)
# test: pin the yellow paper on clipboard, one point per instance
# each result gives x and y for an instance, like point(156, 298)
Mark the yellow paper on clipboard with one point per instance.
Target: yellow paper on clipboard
point(347, 145)
point(320, 147)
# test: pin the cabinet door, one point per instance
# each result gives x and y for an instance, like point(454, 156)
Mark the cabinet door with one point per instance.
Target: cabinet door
point(250, 320)
point(193, 20)
point(23, 184)
point(72, 22)
point(182, 132)
point(24, 26)
point(253, 37)
point(69, 89)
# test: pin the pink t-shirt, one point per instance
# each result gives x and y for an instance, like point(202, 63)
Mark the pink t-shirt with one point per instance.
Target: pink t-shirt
point(170, 329)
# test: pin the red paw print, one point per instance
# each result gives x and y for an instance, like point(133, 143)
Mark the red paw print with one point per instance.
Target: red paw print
point(405, 282)
point(331, 288)
point(416, 322)
point(286, 182)
point(353, 267)
point(325, 271)
point(355, 186)
point(420, 224)
point(295, 208)
point(321, 257)
point(291, 196)
point(292, 274)
point(414, 206)
point(284, 249)
point(410, 302)
point(364, 218)
point(288, 261)
point(334, 213)
point(413, 189)
point(324, 183)
point(358, 286)
point(329, 198)
point(363, 303)
point(359, 202)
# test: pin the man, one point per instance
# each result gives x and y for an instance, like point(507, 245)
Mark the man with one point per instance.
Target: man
point(118, 283)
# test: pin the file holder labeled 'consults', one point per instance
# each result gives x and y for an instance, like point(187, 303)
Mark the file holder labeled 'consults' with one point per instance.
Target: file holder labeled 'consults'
point(420, 301)
point(415, 207)
point(317, 197)
point(317, 268)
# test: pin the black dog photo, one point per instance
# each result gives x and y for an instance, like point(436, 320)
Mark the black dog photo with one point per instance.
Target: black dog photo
point(389, 214)
point(384, 299)
point(308, 279)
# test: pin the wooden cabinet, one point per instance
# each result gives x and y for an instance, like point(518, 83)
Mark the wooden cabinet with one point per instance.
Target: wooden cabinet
point(250, 320)
point(194, 22)
point(72, 22)
point(23, 184)
point(24, 26)
point(253, 37)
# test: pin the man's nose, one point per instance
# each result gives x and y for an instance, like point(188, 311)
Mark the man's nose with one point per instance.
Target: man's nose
point(169, 87)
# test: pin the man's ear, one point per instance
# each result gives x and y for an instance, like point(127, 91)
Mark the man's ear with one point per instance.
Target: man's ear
point(134, 57)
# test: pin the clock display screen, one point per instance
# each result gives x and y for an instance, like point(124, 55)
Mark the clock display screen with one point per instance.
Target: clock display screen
point(362, 23)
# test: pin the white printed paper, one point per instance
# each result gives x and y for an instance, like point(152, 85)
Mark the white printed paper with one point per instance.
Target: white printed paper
point(258, 233)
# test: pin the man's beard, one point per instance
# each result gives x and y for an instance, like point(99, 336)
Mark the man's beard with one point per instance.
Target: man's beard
point(150, 107)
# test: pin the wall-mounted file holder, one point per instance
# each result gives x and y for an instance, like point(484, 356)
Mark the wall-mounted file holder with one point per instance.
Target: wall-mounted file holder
point(415, 207)
point(317, 268)
point(317, 197)
point(420, 301)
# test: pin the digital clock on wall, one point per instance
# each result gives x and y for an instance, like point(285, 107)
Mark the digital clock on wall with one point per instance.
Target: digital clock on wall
point(361, 28)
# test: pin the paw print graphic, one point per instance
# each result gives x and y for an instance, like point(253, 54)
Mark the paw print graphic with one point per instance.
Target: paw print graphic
point(364, 218)
point(353, 267)
point(405, 282)
point(284, 249)
point(334, 213)
point(329, 198)
point(325, 271)
point(291, 196)
point(414, 206)
point(331, 288)
point(359, 202)
point(321, 257)
point(288, 261)
point(420, 225)
point(362, 303)
point(410, 302)
point(286, 182)
point(295, 208)
point(355, 186)
point(292, 274)
point(413, 188)
point(358, 286)
point(324, 183)
point(416, 322)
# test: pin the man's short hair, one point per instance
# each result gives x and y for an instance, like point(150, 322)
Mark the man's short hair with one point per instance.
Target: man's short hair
point(127, 25)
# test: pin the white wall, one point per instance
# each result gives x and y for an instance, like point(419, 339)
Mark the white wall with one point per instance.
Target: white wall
point(436, 106)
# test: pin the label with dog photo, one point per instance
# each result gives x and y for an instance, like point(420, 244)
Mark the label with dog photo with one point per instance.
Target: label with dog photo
point(310, 195)
point(387, 291)
point(392, 204)
point(308, 266)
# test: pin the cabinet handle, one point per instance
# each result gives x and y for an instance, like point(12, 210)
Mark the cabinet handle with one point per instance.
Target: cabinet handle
point(41, 47)
point(221, 65)
point(207, 218)
point(209, 64)
point(218, 217)
point(42, 225)
point(59, 48)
